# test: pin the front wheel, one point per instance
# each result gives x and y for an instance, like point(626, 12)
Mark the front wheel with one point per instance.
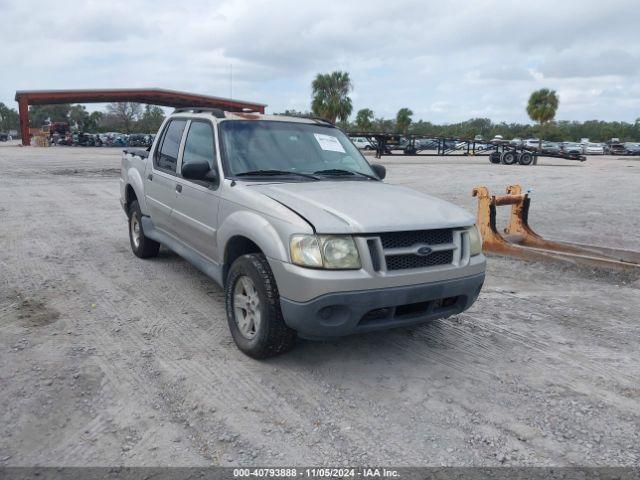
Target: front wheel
point(253, 309)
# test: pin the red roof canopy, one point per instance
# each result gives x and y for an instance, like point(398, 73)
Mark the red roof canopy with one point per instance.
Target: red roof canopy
point(154, 96)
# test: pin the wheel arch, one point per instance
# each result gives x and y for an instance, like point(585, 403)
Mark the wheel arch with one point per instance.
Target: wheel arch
point(129, 196)
point(246, 232)
point(134, 190)
point(237, 246)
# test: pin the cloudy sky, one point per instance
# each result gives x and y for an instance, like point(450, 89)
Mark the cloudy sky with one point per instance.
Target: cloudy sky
point(447, 61)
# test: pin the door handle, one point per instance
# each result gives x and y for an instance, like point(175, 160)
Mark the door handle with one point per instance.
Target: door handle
point(178, 188)
point(150, 177)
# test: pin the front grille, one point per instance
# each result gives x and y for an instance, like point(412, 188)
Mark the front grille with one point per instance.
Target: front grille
point(375, 257)
point(402, 262)
point(411, 238)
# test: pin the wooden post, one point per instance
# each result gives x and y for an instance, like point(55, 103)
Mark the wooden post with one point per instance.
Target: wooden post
point(23, 107)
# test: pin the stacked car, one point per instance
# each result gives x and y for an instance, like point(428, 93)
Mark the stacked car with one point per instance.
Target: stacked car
point(109, 139)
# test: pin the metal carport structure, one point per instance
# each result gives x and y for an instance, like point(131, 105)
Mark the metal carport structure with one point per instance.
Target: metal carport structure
point(154, 96)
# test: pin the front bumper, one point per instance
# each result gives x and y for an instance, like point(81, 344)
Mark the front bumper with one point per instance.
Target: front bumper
point(343, 313)
point(304, 284)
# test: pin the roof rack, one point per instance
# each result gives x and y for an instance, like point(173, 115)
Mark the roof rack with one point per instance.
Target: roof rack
point(321, 120)
point(216, 112)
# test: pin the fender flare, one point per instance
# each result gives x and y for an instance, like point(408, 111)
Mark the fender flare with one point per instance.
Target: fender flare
point(134, 180)
point(255, 228)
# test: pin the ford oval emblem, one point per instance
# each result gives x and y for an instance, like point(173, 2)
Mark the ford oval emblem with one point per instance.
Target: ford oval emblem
point(424, 251)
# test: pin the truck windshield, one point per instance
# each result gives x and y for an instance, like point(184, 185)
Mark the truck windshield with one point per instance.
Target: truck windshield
point(254, 147)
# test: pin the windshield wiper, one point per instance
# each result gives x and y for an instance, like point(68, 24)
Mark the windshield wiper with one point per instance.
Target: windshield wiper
point(275, 173)
point(339, 172)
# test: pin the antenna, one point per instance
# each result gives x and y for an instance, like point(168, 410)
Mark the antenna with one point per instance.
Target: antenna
point(231, 81)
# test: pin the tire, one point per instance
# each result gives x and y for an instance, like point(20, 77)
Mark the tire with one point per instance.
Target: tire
point(494, 157)
point(508, 158)
point(525, 158)
point(141, 245)
point(251, 282)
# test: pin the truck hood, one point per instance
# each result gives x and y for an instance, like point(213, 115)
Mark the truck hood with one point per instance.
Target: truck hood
point(364, 207)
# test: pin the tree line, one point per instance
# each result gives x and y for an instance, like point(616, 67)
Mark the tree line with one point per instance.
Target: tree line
point(125, 117)
point(331, 101)
point(595, 130)
point(9, 119)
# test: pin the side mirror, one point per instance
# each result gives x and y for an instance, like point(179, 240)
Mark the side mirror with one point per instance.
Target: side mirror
point(198, 171)
point(379, 170)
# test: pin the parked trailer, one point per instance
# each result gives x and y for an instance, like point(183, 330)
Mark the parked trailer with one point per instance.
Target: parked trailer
point(498, 151)
point(507, 154)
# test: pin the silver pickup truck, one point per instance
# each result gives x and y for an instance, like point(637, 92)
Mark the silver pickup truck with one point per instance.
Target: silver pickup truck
point(297, 227)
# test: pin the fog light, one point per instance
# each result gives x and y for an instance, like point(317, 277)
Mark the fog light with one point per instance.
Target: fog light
point(326, 313)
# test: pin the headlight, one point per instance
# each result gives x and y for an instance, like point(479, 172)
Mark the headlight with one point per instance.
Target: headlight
point(475, 241)
point(339, 252)
point(305, 251)
point(325, 251)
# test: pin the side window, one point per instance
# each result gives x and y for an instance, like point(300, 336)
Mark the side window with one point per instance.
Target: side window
point(199, 146)
point(167, 156)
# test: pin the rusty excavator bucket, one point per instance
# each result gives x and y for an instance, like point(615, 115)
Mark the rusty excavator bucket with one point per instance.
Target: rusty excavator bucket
point(519, 240)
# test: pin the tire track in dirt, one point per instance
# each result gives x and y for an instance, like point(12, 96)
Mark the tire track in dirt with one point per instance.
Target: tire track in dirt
point(207, 377)
point(577, 360)
point(186, 341)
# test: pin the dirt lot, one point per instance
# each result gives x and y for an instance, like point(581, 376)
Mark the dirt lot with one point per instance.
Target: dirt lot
point(107, 359)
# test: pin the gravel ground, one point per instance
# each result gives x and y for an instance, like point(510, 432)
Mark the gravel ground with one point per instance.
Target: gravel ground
point(106, 359)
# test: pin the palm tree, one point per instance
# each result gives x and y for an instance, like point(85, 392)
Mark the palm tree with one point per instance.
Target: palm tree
point(363, 119)
point(330, 96)
point(403, 120)
point(542, 106)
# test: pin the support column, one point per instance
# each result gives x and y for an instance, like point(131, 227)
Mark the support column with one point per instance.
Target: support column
point(23, 107)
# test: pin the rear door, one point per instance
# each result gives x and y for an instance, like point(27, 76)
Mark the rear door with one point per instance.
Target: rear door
point(161, 181)
point(195, 214)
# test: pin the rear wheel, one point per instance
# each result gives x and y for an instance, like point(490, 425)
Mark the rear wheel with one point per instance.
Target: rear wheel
point(525, 158)
point(141, 245)
point(494, 157)
point(508, 158)
point(253, 309)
